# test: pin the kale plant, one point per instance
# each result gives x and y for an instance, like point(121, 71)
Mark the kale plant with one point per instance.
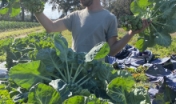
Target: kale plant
point(58, 74)
point(162, 17)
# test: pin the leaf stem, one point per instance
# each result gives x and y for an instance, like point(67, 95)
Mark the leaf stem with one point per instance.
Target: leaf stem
point(161, 24)
point(61, 73)
point(76, 74)
point(58, 69)
point(81, 79)
point(68, 74)
point(71, 71)
point(84, 82)
point(45, 78)
point(154, 27)
point(158, 9)
point(53, 75)
point(154, 18)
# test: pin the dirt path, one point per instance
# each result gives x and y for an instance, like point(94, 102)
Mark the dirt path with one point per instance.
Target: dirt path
point(24, 35)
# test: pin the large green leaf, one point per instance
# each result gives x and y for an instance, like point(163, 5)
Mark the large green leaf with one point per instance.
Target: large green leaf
point(49, 58)
point(163, 39)
point(139, 7)
point(43, 94)
point(144, 42)
point(5, 97)
point(117, 94)
point(52, 61)
point(170, 26)
point(138, 95)
point(19, 96)
point(140, 44)
point(62, 87)
point(102, 70)
point(28, 74)
point(118, 86)
point(75, 100)
point(150, 40)
point(14, 55)
point(71, 55)
point(61, 46)
point(99, 51)
point(92, 99)
point(5, 43)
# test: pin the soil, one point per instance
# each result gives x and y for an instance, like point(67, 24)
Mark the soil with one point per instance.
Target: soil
point(24, 35)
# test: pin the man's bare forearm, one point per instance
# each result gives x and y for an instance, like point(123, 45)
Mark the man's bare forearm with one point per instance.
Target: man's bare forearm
point(49, 25)
point(119, 45)
point(45, 21)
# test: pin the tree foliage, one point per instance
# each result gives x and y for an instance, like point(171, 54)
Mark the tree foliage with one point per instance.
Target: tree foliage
point(65, 5)
point(3, 2)
point(119, 7)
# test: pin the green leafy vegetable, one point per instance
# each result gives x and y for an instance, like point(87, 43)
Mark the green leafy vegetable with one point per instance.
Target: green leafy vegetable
point(43, 94)
point(160, 14)
point(34, 73)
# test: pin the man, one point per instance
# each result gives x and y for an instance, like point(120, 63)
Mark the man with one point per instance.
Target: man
point(89, 27)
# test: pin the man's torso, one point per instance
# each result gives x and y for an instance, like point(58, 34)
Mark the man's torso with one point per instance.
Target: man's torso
point(89, 28)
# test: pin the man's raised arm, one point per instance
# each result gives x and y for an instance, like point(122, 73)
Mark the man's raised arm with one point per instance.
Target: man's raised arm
point(50, 26)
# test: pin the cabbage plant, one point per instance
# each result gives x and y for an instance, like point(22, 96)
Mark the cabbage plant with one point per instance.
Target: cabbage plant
point(61, 75)
point(162, 17)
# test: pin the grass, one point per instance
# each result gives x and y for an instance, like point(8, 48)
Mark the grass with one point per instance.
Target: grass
point(2, 58)
point(68, 36)
point(17, 33)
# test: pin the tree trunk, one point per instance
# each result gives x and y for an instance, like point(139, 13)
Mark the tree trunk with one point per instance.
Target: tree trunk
point(33, 18)
point(22, 13)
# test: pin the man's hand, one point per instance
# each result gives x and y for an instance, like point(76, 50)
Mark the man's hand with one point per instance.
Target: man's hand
point(117, 46)
point(145, 24)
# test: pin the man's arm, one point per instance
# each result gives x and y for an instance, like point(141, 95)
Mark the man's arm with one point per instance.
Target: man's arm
point(117, 45)
point(50, 26)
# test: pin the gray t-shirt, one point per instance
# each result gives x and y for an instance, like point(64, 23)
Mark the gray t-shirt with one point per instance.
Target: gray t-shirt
point(89, 28)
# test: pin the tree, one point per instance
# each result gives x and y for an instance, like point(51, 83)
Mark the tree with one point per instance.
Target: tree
point(120, 7)
point(22, 13)
point(65, 5)
point(105, 3)
point(3, 2)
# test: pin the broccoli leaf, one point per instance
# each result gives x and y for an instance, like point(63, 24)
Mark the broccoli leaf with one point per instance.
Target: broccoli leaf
point(163, 39)
point(61, 46)
point(118, 86)
point(43, 94)
point(28, 74)
point(62, 87)
point(138, 95)
point(99, 51)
